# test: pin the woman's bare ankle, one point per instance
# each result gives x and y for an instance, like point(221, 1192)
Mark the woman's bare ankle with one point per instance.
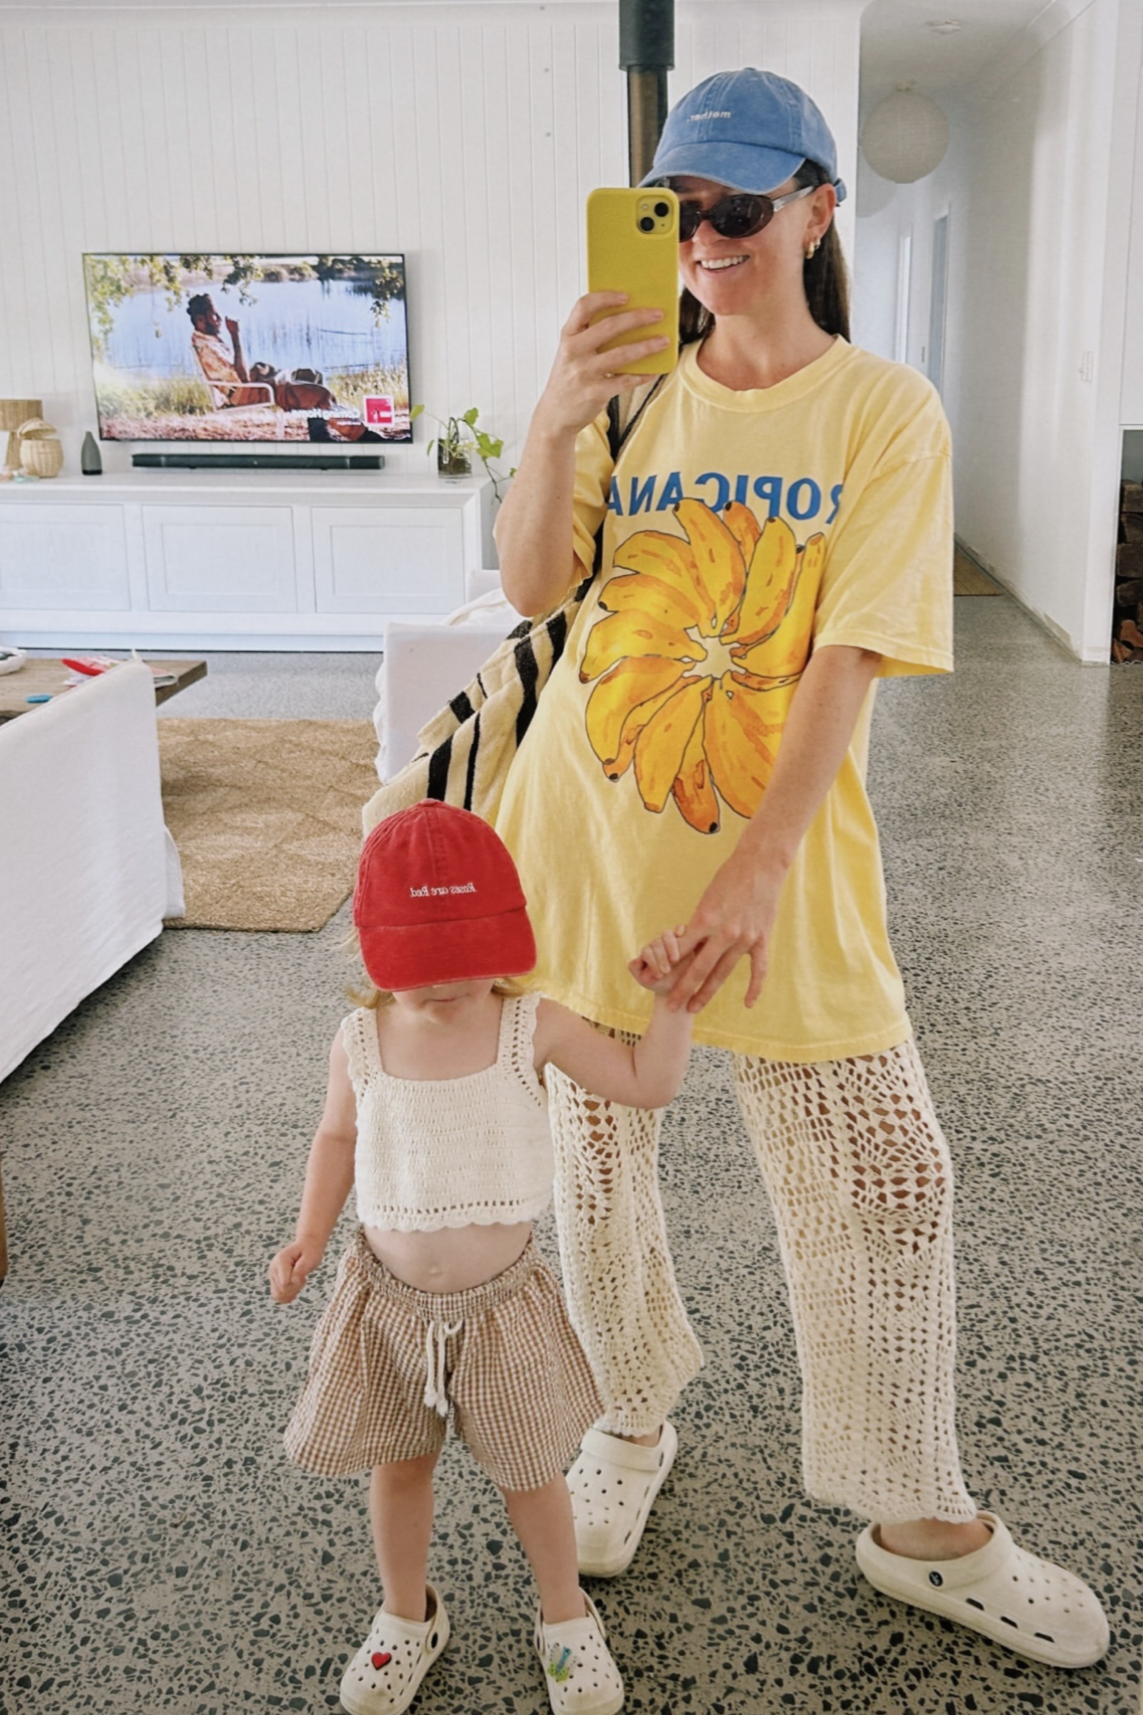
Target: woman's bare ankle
point(933, 1538)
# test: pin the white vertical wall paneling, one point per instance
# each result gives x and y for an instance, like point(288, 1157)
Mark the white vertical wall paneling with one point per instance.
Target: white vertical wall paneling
point(521, 191)
point(21, 225)
point(401, 214)
point(73, 354)
point(150, 139)
point(195, 193)
point(287, 137)
point(422, 146)
point(310, 117)
point(105, 141)
point(262, 167)
point(466, 138)
point(567, 198)
point(399, 211)
point(181, 133)
point(239, 71)
point(496, 391)
point(336, 146)
point(546, 217)
point(483, 198)
point(61, 212)
point(361, 120)
point(86, 164)
point(458, 286)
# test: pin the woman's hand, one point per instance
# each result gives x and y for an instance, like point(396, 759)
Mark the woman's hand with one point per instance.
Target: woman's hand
point(735, 916)
point(583, 378)
point(534, 529)
point(732, 921)
point(291, 1268)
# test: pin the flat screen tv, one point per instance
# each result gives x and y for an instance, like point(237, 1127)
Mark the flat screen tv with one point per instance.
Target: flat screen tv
point(249, 348)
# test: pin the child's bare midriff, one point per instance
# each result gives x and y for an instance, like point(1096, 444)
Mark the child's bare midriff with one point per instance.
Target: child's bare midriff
point(452, 1258)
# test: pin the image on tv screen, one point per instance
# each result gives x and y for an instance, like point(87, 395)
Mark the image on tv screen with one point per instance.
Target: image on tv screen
point(249, 348)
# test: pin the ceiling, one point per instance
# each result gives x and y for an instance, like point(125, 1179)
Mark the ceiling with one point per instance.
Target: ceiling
point(898, 45)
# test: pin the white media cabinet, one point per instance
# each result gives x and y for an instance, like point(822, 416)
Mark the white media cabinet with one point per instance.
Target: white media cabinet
point(234, 559)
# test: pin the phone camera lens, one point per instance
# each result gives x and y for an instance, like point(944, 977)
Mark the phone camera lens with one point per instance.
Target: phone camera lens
point(646, 224)
point(662, 209)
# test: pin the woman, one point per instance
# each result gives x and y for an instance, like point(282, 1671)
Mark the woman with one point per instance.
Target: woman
point(777, 535)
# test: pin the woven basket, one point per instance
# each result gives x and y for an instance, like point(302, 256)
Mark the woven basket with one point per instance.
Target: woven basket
point(40, 451)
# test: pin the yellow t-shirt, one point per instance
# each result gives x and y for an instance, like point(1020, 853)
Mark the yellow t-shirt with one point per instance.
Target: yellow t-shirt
point(742, 529)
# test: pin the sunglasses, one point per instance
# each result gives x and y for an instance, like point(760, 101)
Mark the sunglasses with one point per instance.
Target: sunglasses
point(736, 216)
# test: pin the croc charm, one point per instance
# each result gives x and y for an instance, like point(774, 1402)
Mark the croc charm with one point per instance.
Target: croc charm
point(380, 1659)
point(560, 1664)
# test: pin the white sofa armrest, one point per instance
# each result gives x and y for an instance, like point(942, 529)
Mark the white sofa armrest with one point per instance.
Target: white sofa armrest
point(83, 860)
point(423, 666)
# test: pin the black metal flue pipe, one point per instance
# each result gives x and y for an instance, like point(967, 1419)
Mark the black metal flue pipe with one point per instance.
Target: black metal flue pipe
point(646, 54)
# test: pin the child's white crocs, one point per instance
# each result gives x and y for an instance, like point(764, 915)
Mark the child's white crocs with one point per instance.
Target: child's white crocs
point(579, 1671)
point(1014, 1597)
point(385, 1675)
point(613, 1484)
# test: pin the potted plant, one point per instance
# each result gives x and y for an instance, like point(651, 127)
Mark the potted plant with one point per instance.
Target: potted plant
point(461, 436)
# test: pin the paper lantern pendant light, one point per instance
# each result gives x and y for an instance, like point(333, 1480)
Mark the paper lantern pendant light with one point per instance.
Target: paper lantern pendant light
point(905, 137)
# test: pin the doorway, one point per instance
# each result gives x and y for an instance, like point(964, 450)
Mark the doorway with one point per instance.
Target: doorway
point(938, 299)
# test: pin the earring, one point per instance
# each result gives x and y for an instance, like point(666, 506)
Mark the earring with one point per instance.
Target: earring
point(812, 249)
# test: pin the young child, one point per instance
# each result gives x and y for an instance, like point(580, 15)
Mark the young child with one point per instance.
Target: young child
point(436, 1109)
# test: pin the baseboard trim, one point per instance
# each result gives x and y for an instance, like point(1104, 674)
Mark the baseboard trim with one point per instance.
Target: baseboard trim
point(1054, 630)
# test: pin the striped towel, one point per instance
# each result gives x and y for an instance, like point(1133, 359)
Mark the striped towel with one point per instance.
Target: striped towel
point(464, 752)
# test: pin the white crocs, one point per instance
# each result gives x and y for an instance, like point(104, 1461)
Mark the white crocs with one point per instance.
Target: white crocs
point(579, 1672)
point(385, 1675)
point(613, 1484)
point(1013, 1597)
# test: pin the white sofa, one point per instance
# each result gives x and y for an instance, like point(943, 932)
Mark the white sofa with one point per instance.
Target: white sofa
point(425, 664)
point(87, 870)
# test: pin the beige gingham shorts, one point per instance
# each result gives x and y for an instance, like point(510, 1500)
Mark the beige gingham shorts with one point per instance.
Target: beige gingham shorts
point(390, 1365)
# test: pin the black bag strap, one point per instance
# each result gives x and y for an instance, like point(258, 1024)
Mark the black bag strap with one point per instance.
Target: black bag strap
point(623, 412)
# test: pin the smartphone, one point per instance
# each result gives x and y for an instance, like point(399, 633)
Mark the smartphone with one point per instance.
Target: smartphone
point(633, 247)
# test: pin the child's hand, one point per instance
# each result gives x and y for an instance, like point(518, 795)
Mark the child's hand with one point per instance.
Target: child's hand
point(654, 966)
point(290, 1270)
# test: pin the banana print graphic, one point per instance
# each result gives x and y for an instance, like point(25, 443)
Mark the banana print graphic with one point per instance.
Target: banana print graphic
point(701, 643)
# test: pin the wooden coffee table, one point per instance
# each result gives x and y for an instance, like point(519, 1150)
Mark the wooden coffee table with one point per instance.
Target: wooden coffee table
point(40, 674)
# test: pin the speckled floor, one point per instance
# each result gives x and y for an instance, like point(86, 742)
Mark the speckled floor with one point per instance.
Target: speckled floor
point(157, 1552)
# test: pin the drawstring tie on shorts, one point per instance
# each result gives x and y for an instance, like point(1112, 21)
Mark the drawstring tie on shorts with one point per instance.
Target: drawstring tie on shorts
point(437, 1336)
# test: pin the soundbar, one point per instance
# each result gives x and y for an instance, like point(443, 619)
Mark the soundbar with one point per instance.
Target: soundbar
point(258, 461)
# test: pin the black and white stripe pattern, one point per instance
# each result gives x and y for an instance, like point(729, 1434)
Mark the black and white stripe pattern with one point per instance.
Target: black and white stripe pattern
point(465, 751)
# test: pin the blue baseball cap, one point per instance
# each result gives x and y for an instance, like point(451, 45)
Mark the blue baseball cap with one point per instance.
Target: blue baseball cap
point(748, 129)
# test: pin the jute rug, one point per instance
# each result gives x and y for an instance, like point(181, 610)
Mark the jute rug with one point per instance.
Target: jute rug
point(968, 579)
point(266, 816)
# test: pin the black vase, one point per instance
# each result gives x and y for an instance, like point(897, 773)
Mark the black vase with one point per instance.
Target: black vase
point(90, 462)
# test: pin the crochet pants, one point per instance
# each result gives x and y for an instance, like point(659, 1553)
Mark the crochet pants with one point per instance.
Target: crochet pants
point(860, 1179)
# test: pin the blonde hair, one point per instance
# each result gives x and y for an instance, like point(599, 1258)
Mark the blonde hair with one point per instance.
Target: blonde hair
point(363, 991)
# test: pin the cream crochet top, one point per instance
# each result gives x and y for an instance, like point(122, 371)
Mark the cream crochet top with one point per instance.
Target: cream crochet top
point(451, 1152)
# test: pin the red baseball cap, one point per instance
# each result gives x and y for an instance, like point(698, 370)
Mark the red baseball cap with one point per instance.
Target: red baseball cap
point(438, 900)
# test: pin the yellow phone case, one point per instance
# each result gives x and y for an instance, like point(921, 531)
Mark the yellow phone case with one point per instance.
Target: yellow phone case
point(633, 247)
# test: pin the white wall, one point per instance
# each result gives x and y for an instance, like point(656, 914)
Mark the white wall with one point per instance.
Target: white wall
point(1038, 184)
point(1131, 403)
point(466, 136)
point(885, 214)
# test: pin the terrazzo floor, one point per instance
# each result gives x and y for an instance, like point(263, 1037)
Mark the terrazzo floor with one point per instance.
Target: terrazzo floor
point(157, 1553)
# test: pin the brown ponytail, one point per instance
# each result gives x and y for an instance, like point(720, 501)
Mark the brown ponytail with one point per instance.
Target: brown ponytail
point(824, 275)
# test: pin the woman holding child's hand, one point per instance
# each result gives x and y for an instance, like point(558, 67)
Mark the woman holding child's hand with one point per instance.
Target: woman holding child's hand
point(776, 535)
